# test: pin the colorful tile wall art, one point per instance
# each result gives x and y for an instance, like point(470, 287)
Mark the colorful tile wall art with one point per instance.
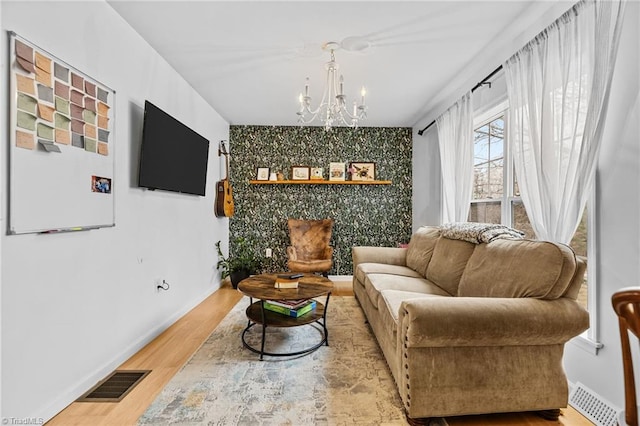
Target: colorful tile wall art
point(57, 104)
point(61, 137)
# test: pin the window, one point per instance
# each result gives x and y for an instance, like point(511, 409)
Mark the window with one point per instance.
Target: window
point(496, 197)
point(488, 172)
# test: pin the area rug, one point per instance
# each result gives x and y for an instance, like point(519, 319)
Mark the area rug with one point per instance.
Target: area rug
point(345, 383)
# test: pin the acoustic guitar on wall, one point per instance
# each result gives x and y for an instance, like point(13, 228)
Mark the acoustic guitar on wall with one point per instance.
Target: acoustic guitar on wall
point(224, 194)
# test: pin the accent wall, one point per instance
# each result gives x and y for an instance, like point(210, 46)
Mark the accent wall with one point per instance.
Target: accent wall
point(378, 215)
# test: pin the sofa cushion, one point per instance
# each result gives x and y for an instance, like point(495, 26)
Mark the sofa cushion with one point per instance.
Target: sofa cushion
point(392, 299)
point(448, 262)
point(421, 248)
point(383, 268)
point(375, 283)
point(518, 268)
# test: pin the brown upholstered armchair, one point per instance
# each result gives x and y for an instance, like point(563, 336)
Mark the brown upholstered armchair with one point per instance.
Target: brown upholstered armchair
point(309, 250)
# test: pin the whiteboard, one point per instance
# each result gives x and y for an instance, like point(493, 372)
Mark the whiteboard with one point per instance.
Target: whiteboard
point(62, 149)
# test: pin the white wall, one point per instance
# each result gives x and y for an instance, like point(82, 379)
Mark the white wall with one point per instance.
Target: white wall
point(427, 188)
point(618, 204)
point(76, 305)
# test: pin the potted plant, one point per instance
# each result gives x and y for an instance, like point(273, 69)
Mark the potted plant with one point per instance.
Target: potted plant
point(241, 265)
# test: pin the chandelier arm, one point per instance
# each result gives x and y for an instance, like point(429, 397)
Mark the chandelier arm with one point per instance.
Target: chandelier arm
point(353, 119)
point(323, 101)
point(311, 114)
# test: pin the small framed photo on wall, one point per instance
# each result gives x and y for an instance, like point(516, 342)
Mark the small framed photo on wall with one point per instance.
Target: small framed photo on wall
point(336, 171)
point(263, 173)
point(316, 173)
point(362, 171)
point(300, 173)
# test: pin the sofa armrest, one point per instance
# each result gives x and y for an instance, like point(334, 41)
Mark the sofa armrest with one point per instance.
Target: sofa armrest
point(483, 321)
point(388, 255)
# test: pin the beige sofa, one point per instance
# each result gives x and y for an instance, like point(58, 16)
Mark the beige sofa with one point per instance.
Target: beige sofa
point(473, 328)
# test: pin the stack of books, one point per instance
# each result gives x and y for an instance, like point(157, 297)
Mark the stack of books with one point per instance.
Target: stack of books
point(287, 280)
point(293, 308)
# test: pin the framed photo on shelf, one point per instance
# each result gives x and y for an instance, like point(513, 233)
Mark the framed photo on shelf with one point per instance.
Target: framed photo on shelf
point(263, 173)
point(316, 173)
point(336, 171)
point(300, 173)
point(362, 171)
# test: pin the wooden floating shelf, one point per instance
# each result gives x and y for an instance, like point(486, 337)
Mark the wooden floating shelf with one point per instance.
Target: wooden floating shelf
point(320, 182)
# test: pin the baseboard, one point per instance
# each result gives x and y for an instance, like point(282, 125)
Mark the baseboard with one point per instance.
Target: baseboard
point(341, 277)
point(69, 396)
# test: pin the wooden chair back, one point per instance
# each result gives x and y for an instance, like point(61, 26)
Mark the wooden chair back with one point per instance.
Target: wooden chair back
point(626, 304)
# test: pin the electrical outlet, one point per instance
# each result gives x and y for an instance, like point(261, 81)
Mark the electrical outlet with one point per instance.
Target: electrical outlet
point(162, 284)
point(268, 252)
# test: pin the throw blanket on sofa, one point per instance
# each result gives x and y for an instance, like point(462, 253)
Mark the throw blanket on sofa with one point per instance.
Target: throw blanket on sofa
point(477, 233)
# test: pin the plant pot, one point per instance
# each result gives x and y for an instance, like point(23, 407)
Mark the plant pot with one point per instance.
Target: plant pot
point(237, 276)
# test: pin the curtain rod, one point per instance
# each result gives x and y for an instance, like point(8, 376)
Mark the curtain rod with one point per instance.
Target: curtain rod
point(483, 82)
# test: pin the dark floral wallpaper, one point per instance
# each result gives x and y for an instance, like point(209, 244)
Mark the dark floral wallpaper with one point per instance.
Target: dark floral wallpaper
point(378, 215)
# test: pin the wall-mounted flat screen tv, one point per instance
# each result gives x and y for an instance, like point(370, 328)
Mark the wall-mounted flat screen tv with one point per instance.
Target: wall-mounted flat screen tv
point(173, 157)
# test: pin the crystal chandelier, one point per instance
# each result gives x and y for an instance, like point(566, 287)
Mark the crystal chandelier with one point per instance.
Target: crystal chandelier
point(333, 106)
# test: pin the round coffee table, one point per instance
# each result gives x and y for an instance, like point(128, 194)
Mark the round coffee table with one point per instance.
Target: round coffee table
point(262, 287)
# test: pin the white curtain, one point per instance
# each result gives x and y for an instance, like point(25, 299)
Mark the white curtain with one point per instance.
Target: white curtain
point(558, 88)
point(455, 139)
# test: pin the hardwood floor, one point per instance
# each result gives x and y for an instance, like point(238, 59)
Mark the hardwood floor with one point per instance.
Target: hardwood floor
point(166, 354)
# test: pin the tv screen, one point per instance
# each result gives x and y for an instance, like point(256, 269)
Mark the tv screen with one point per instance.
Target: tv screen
point(172, 156)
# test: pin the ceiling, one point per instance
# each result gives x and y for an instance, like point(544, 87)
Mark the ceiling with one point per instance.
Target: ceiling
point(249, 60)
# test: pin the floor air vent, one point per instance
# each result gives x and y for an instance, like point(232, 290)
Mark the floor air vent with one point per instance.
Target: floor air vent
point(115, 387)
point(592, 406)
